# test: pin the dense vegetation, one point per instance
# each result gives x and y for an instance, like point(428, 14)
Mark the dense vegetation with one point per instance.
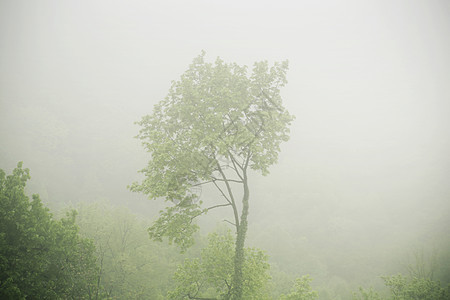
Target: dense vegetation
point(40, 257)
point(103, 252)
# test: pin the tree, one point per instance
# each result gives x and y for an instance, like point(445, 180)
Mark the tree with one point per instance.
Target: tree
point(301, 290)
point(407, 288)
point(216, 124)
point(40, 258)
point(209, 277)
point(131, 265)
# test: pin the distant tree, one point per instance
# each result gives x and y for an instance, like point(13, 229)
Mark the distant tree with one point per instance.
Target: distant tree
point(131, 265)
point(41, 258)
point(411, 288)
point(366, 294)
point(209, 277)
point(422, 265)
point(407, 288)
point(301, 290)
point(216, 124)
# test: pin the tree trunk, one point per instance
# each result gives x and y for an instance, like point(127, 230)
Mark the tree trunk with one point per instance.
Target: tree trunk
point(239, 258)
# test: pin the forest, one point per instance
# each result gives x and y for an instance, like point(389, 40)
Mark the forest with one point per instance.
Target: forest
point(100, 251)
point(233, 150)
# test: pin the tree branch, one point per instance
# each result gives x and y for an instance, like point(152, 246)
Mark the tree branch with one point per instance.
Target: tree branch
point(229, 180)
point(230, 223)
point(223, 194)
point(228, 286)
point(247, 160)
point(233, 203)
point(271, 101)
point(216, 206)
point(201, 183)
point(235, 163)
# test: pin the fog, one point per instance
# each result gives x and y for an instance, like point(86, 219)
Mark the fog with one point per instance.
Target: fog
point(362, 182)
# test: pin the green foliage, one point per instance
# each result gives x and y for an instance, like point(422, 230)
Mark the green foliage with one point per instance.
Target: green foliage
point(40, 257)
point(215, 115)
point(368, 294)
point(210, 276)
point(176, 223)
point(301, 290)
point(132, 266)
point(406, 288)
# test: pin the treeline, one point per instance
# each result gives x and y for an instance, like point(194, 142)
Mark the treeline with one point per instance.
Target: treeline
point(103, 252)
point(94, 252)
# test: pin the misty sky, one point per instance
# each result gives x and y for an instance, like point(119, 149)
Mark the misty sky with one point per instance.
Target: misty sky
point(368, 80)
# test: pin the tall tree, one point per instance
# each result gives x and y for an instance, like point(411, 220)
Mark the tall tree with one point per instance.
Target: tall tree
point(217, 122)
